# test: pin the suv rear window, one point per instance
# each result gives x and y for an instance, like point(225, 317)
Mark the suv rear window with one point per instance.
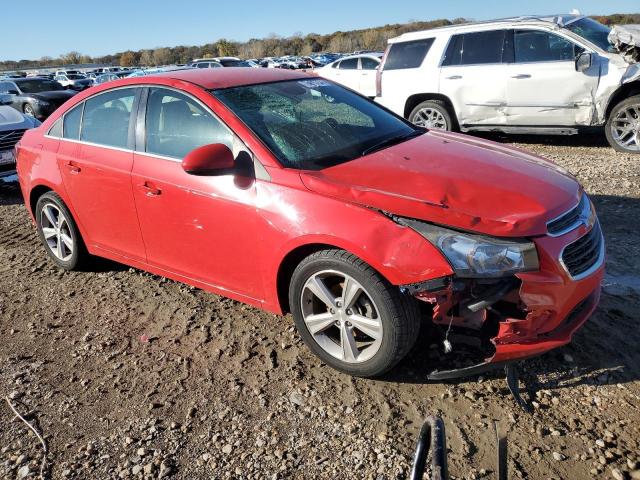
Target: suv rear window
point(407, 54)
point(475, 48)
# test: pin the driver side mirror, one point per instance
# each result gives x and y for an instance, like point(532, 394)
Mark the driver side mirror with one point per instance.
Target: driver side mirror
point(584, 61)
point(5, 99)
point(213, 159)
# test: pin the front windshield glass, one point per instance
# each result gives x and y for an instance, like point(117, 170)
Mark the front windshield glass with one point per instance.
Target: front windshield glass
point(38, 86)
point(75, 77)
point(314, 124)
point(592, 31)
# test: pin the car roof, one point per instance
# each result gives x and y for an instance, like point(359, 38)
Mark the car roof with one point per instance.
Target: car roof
point(217, 78)
point(548, 21)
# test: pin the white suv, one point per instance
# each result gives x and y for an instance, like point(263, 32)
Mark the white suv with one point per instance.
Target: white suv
point(547, 75)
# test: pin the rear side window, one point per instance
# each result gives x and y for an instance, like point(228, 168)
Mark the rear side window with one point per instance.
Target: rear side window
point(349, 64)
point(71, 128)
point(56, 129)
point(475, 48)
point(407, 54)
point(177, 124)
point(106, 118)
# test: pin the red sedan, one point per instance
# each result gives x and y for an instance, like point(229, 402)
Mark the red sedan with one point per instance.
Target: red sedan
point(294, 194)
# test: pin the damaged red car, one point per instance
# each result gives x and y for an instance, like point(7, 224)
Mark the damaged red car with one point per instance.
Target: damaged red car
point(294, 194)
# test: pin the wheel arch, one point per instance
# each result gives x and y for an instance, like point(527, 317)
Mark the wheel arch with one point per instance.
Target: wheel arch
point(418, 98)
point(625, 91)
point(35, 193)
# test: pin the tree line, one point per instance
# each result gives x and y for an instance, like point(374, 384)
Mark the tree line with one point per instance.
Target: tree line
point(272, 46)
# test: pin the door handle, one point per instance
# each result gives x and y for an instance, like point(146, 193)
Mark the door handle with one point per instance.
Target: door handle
point(73, 168)
point(454, 77)
point(520, 76)
point(150, 189)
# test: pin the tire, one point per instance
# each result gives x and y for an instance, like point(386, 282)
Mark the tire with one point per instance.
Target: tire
point(391, 319)
point(625, 113)
point(435, 114)
point(28, 110)
point(72, 256)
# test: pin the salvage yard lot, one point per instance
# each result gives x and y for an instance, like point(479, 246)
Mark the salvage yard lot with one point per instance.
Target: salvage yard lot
point(131, 375)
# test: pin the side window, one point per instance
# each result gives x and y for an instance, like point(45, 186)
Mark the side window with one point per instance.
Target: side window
point(4, 87)
point(107, 116)
point(407, 54)
point(349, 64)
point(177, 124)
point(203, 65)
point(56, 129)
point(482, 47)
point(71, 127)
point(538, 46)
point(368, 63)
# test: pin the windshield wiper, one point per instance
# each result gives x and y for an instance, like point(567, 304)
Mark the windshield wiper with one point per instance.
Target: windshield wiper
point(387, 142)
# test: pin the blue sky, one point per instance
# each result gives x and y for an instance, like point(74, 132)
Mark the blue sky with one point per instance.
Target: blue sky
point(98, 27)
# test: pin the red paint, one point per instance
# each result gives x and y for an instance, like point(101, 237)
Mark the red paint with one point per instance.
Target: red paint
point(231, 233)
point(208, 160)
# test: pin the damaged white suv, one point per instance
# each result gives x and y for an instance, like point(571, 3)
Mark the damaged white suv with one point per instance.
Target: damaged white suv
point(546, 75)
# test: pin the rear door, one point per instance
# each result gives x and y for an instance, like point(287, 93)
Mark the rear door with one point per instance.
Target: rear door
point(95, 157)
point(544, 88)
point(347, 73)
point(368, 71)
point(474, 76)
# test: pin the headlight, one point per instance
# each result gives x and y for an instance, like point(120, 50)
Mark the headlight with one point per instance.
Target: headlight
point(473, 255)
point(40, 101)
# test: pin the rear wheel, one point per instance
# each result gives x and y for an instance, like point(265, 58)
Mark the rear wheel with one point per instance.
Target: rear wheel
point(623, 126)
point(59, 233)
point(349, 316)
point(432, 114)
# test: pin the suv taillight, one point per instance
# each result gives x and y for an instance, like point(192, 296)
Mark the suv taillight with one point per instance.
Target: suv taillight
point(379, 72)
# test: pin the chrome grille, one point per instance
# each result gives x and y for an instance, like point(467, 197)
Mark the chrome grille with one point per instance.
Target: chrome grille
point(585, 253)
point(571, 219)
point(9, 139)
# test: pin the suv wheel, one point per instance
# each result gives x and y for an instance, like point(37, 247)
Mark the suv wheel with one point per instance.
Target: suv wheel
point(59, 233)
point(349, 316)
point(432, 114)
point(623, 126)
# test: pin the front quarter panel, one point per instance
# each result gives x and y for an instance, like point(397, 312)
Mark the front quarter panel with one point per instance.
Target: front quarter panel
point(297, 217)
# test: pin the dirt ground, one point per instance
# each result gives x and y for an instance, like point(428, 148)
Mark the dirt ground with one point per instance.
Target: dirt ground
point(130, 375)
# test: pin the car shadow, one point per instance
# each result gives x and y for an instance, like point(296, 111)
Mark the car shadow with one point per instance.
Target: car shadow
point(603, 352)
point(10, 191)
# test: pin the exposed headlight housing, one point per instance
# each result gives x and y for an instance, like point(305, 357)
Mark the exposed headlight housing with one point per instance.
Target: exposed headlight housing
point(478, 256)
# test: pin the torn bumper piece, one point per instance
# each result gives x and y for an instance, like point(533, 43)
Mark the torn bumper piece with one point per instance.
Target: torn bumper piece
point(514, 318)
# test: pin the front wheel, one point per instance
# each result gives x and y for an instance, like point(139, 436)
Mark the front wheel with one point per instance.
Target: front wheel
point(432, 114)
point(350, 316)
point(623, 126)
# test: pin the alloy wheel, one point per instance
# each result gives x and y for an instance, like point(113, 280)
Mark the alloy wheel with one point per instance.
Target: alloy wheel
point(341, 316)
point(28, 110)
point(430, 118)
point(56, 232)
point(625, 128)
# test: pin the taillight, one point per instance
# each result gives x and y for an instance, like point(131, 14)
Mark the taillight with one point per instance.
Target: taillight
point(379, 72)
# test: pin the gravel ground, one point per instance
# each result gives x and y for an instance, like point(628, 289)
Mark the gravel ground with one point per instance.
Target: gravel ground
point(130, 375)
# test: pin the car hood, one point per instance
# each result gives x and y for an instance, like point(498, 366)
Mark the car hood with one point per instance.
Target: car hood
point(455, 180)
point(11, 119)
point(55, 96)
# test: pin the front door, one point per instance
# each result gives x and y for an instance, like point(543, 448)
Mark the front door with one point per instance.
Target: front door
point(96, 157)
point(195, 226)
point(544, 88)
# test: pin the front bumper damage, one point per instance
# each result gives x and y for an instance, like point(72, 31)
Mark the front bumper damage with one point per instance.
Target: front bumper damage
point(514, 318)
